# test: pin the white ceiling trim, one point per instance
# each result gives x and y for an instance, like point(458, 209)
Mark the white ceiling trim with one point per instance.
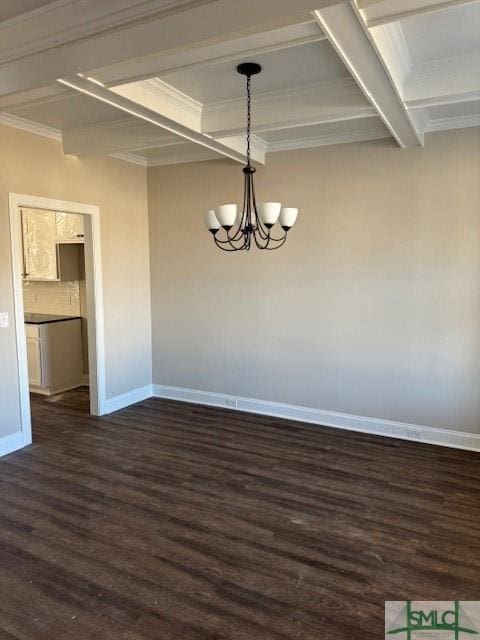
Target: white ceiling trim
point(438, 101)
point(31, 127)
point(277, 39)
point(434, 125)
point(169, 32)
point(55, 134)
point(135, 108)
point(379, 12)
point(316, 103)
point(43, 95)
point(172, 158)
point(328, 139)
point(170, 94)
point(129, 157)
point(445, 79)
point(161, 98)
point(126, 134)
point(64, 21)
point(457, 122)
point(350, 38)
point(393, 49)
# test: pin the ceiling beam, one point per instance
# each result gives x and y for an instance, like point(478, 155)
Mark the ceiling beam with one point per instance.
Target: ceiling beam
point(348, 35)
point(127, 134)
point(127, 104)
point(248, 46)
point(203, 23)
point(134, 134)
point(180, 155)
point(318, 103)
point(34, 97)
point(377, 12)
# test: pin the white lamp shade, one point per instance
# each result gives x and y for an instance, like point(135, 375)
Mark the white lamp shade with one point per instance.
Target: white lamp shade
point(288, 215)
point(226, 214)
point(269, 212)
point(211, 221)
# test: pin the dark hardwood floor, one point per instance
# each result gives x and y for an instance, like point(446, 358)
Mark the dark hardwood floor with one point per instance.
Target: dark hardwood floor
point(171, 521)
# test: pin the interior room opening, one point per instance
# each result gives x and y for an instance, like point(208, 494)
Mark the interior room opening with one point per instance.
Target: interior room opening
point(54, 289)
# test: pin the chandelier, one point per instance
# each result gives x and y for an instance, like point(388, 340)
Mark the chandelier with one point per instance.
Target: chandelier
point(254, 223)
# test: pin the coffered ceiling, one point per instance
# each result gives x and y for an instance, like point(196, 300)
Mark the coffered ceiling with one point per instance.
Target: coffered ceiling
point(154, 81)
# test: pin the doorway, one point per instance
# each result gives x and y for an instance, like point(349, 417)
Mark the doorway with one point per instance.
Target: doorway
point(64, 213)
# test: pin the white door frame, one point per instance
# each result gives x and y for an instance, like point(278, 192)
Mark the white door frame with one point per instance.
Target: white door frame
point(93, 275)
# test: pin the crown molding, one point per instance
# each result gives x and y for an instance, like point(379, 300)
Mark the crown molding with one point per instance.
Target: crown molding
point(55, 134)
point(172, 95)
point(457, 122)
point(328, 139)
point(32, 127)
point(132, 158)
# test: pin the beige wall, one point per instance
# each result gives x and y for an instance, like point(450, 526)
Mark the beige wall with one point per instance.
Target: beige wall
point(35, 165)
point(373, 306)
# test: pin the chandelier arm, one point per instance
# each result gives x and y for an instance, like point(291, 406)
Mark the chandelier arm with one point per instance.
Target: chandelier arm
point(262, 231)
point(282, 242)
point(229, 250)
point(241, 224)
point(258, 241)
point(229, 245)
point(281, 239)
point(233, 243)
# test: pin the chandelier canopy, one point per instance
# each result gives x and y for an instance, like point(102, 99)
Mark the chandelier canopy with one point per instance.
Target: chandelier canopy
point(253, 223)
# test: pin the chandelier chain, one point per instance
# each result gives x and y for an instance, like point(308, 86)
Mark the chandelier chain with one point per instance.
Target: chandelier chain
point(249, 118)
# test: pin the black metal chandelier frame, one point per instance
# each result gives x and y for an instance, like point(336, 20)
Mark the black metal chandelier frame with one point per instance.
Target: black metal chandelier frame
point(249, 229)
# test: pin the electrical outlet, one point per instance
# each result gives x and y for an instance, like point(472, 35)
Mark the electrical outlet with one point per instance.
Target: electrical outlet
point(4, 323)
point(415, 434)
point(231, 402)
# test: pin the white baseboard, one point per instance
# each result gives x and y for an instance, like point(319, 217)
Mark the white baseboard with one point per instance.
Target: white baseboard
point(375, 426)
point(9, 444)
point(126, 399)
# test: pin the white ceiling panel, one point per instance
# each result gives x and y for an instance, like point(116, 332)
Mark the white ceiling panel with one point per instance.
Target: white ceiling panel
point(443, 34)
point(71, 111)
point(287, 68)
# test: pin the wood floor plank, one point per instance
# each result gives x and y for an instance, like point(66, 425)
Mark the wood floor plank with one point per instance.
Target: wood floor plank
point(169, 521)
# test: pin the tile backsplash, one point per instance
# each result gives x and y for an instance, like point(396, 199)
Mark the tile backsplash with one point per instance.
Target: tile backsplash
point(62, 298)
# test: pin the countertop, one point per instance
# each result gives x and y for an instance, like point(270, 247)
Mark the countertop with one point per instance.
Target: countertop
point(45, 318)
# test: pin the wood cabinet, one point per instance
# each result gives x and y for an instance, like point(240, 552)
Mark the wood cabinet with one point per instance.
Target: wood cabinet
point(55, 357)
point(69, 228)
point(34, 357)
point(50, 245)
point(39, 234)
